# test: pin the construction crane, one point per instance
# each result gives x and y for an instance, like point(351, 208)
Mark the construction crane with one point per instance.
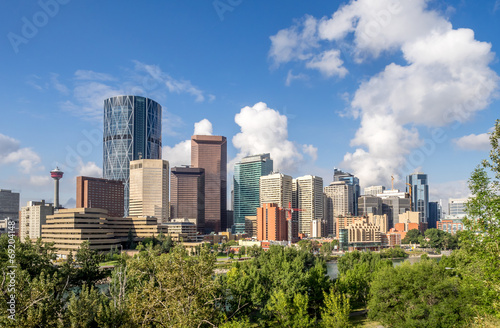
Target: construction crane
point(411, 208)
point(289, 219)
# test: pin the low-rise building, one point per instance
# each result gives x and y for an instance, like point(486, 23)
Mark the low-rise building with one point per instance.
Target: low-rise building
point(251, 226)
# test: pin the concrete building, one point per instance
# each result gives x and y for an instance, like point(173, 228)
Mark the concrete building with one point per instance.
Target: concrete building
point(141, 227)
point(276, 188)
point(33, 216)
point(380, 221)
point(187, 195)
point(100, 193)
point(317, 229)
point(132, 131)
point(394, 202)
point(149, 188)
point(9, 206)
point(307, 195)
point(451, 225)
point(363, 232)
point(339, 202)
point(246, 197)
point(419, 194)
point(271, 223)
point(68, 228)
point(180, 229)
point(352, 181)
point(251, 225)
point(210, 153)
point(456, 207)
point(373, 190)
point(369, 204)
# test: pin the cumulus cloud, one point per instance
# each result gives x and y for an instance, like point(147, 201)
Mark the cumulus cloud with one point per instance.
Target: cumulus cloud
point(442, 77)
point(180, 154)
point(474, 142)
point(446, 190)
point(265, 130)
point(41, 180)
point(88, 169)
point(328, 63)
point(292, 77)
point(26, 159)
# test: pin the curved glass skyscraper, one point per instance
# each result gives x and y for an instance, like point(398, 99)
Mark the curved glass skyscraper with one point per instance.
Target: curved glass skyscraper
point(132, 131)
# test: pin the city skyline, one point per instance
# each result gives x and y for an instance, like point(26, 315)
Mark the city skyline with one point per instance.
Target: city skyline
point(302, 91)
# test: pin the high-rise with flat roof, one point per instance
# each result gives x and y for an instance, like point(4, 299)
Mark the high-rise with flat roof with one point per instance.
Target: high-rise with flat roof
point(149, 188)
point(394, 202)
point(132, 131)
point(350, 180)
point(369, 204)
point(276, 188)
point(339, 198)
point(187, 195)
point(373, 190)
point(9, 205)
point(456, 207)
point(419, 194)
point(246, 179)
point(271, 223)
point(210, 153)
point(100, 193)
point(33, 216)
point(308, 196)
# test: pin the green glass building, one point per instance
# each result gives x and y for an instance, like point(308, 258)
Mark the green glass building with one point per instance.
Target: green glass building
point(247, 174)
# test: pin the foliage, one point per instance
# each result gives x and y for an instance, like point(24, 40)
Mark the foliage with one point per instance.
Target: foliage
point(439, 239)
point(87, 261)
point(335, 312)
point(289, 312)
point(393, 252)
point(412, 236)
point(419, 295)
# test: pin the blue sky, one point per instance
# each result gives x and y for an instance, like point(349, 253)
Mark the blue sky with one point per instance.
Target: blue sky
point(376, 89)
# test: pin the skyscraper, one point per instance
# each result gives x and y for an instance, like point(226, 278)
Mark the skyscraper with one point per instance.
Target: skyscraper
point(132, 131)
point(210, 153)
point(271, 223)
point(9, 205)
point(187, 195)
point(419, 194)
point(246, 179)
point(100, 193)
point(434, 214)
point(351, 180)
point(276, 188)
point(149, 188)
point(339, 196)
point(394, 203)
point(308, 196)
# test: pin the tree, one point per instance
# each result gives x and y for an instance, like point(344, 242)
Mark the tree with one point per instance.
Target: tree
point(336, 310)
point(130, 240)
point(422, 294)
point(412, 236)
point(289, 313)
point(88, 261)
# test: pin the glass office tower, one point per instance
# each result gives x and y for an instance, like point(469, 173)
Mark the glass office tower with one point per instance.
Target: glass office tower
point(419, 194)
point(132, 131)
point(246, 178)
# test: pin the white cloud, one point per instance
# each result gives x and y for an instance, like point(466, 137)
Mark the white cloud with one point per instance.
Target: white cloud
point(26, 159)
point(203, 127)
point(446, 190)
point(311, 151)
point(445, 78)
point(474, 142)
point(180, 154)
point(291, 77)
point(328, 63)
point(91, 75)
point(265, 130)
point(54, 79)
point(89, 169)
point(41, 180)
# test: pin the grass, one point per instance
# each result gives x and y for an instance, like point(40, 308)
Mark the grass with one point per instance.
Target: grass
point(109, 263)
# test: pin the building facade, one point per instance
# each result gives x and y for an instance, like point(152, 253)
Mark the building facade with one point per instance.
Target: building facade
point(394, 202)
point(132, 131)
point(210, 153)
point(373, 190)
point(149, 188)
point(9, 206)
point(350, 180)
point(456, 207)
point(435, 214)
point(369, 204)
point(100, 193)
point(307, 195)
point(33, 216)
point(338, 202)
point(276, 188)
point(187, 195)
point(419, 194)
point(271, 223)
point(246, 188)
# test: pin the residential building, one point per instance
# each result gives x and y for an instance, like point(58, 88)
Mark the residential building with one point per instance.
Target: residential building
point(149, 188)
point(276, 188)
point(419, 194)
point(350, 180)
point(363, 232)
point(307, 195)
point(100, 193)
point(373, 190)
point(210, 153)
point(187, 195)
point(246, 192)
point(33, 216)
point(271, 223)
point(132, 131)
point(380, 221)
point(9, 206)
point(339, 202)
